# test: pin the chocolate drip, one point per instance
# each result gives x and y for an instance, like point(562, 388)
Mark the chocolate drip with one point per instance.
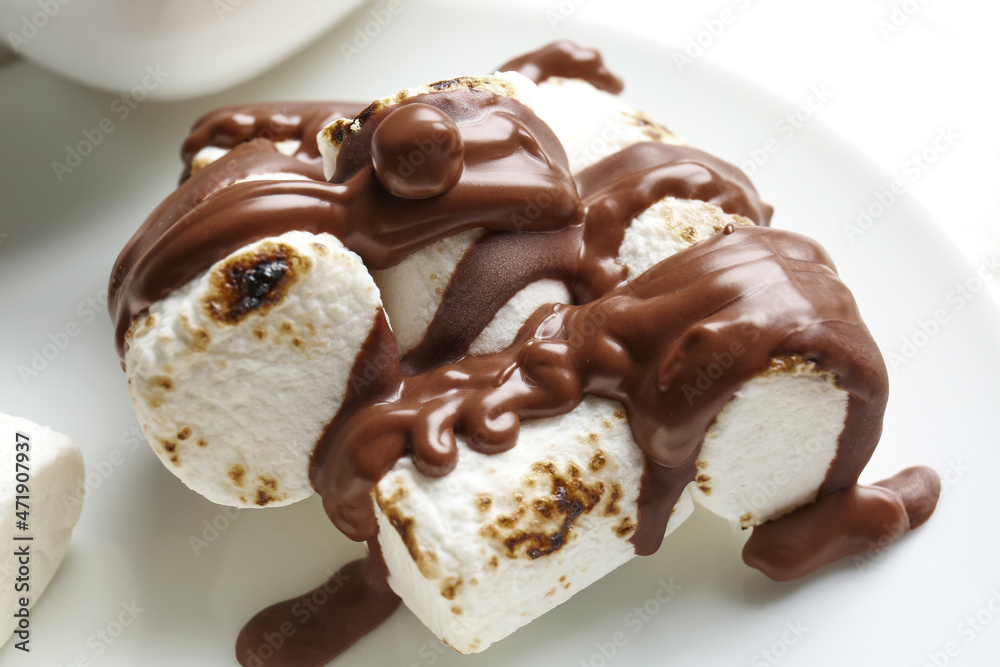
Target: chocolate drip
point(565, 59)
point(313, 629)
point(230, 126)
point(850, 521)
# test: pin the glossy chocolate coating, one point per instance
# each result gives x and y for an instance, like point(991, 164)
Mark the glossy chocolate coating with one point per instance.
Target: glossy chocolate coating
point(417, 152)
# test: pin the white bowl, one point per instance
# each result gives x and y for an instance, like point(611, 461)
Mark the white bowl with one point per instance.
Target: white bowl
point(169, 48)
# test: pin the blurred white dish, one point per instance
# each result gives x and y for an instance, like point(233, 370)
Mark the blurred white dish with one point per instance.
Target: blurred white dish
point(165, 49)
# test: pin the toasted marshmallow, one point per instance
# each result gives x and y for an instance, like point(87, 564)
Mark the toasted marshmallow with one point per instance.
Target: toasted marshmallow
point(770, 447)
point(669, 226)
point(495, 543)
point(599, 125)
point(235, 375)
point(51, 467)
point(474, 554)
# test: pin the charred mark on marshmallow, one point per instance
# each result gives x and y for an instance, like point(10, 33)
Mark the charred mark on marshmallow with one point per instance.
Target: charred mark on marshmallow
point(568, 500)
point(263, 498)
point(597, 461)
point(237, 473)
point(702, 481)
point(616, 494)
point(653, 130)
point(162, 382)
point(449, 589)
point(483, 502)
point(426, 562)
point(184, 433)
point(253, 282)
point(625, 527)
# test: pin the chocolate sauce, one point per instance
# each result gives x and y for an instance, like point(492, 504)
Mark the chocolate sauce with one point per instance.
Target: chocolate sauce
point(230, 126)
point(313, 629)
point(417, 152)
point(565, 59)
point(488, 162)
point(850, 521)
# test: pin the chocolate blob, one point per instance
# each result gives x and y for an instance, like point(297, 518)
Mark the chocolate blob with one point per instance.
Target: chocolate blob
point(417, 151)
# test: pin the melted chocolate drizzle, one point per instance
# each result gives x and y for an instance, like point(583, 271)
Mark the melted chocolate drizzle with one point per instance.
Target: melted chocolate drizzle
point(641, 342)
point(313, 629)
point(565, 59)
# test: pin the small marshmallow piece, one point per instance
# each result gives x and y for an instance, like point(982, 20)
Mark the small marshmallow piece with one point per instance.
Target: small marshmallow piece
point(54, 473)
point(235, 375)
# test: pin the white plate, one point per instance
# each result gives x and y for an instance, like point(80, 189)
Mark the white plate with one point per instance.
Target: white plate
point(134, 540)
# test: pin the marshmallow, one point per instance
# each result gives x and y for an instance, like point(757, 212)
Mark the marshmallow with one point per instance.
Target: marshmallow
point(235, 375)
point(50, 467)
point(599, 125)
point(459, 547)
